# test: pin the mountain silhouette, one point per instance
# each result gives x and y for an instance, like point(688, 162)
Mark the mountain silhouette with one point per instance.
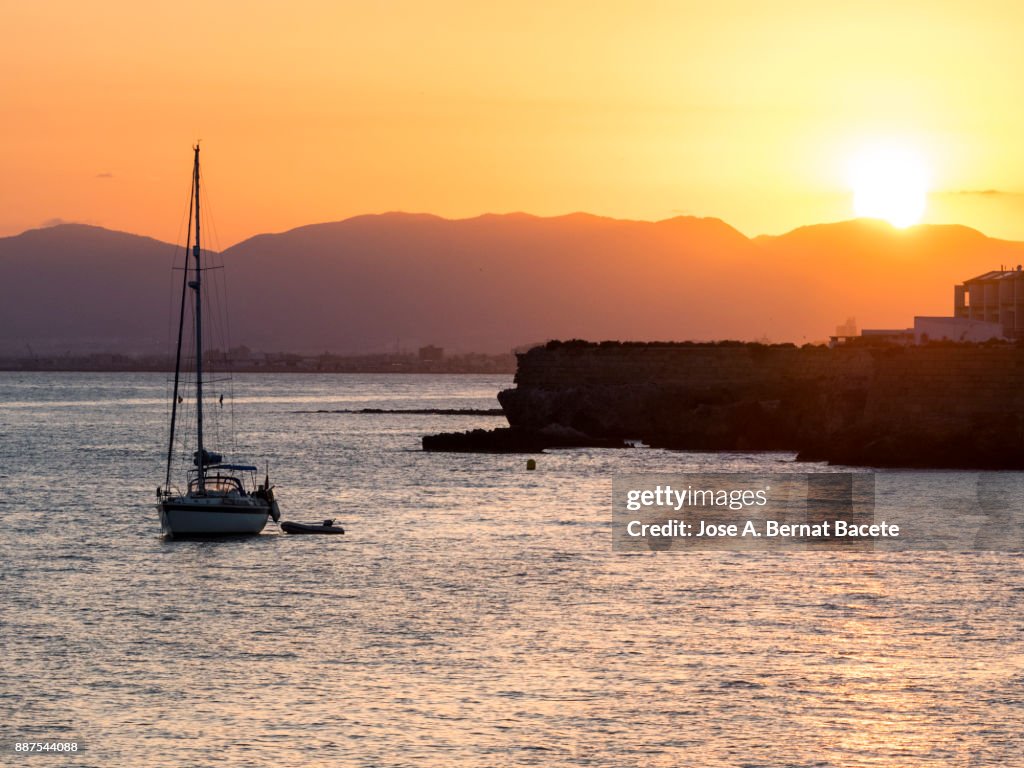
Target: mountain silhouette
point(77, 288)
point(489, 283)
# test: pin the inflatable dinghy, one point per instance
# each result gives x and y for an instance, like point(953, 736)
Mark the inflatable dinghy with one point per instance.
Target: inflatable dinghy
point(327, 526)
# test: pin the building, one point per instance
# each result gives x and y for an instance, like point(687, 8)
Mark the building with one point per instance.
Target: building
point(955, 329)
point(889, 335)
point(849, 328)
point(994, 297)
point(986, 307)
point(431, 354)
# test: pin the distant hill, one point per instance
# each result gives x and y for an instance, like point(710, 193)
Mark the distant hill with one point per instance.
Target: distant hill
point(490, 283)
point(83, 289)
point(484, 284)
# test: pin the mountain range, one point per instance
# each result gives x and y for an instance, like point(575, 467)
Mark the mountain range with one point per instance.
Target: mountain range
point(370, 283)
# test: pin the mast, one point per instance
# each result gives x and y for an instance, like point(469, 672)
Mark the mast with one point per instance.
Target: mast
point(196, 285)
point(177, 354)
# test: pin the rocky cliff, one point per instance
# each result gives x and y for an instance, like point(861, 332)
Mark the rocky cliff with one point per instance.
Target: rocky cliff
point(938, 405)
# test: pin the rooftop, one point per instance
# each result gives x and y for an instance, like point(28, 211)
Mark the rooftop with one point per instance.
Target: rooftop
point(998, 274)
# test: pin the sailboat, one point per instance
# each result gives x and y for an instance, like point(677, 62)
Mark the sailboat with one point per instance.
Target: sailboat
point(221, 499)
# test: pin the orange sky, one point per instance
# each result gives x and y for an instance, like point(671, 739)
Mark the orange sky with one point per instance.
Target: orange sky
point(315, 110)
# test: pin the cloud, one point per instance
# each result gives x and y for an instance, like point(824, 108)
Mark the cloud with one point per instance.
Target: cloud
point(105, 175)
point(54, 223)
point(986, 193)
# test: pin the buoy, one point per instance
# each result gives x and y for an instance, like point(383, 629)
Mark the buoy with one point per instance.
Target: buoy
point(531, 463)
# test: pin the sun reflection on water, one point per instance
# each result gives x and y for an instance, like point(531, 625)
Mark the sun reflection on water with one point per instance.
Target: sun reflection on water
point(473, 613)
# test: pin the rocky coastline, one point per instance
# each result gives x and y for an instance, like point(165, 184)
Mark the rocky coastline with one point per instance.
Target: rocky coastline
point(940, 405)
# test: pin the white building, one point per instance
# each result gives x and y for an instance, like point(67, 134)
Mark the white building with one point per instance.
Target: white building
point(995, 297)
point(987, 307)
point(955, 329)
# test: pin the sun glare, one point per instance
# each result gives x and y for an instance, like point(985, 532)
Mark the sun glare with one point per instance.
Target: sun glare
point(889, 182)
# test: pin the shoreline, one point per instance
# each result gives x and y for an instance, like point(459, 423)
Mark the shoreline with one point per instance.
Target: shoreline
point(466, 371)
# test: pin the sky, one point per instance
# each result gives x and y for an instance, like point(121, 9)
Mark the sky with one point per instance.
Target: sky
point(312, 111)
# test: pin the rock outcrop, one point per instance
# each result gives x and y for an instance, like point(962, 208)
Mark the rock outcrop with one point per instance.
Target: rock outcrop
point(940, 405)
point(515, 440)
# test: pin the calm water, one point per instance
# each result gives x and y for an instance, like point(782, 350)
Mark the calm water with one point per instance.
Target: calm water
point(472, 615)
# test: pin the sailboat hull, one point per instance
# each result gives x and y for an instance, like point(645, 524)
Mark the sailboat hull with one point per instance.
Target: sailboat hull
point(206, 517)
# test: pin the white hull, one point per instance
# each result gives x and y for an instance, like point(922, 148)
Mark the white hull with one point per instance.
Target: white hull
point(208, 517)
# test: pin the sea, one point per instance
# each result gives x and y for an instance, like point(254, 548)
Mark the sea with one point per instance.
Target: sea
point(473, 614)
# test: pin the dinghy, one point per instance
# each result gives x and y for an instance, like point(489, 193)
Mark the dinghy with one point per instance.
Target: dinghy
point(327, 526)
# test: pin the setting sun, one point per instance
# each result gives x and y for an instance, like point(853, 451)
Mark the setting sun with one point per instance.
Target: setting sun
point(889, 182)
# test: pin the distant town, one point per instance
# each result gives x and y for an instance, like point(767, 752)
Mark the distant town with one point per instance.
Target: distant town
point(428, 359)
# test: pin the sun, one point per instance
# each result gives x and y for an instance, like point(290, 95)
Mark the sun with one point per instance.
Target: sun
point(889, 182)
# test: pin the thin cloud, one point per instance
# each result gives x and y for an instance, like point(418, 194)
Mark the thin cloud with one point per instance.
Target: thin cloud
point(55, 223)
point(986, 193)
point(105, 175)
